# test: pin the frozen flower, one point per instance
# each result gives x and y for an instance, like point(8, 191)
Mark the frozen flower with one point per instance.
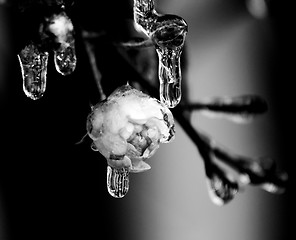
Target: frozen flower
point(128, 127)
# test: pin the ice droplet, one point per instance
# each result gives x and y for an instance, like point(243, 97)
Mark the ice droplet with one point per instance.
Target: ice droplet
point(221, 192)
point(276, 187)
point(94, 147)
point(272, 188)
point(33, 65)
point(117, 181)
point(65, 59)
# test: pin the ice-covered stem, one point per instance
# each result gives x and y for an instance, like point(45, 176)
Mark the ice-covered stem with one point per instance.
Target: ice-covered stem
point(135, 43)
point(256, 171)
point(260, 171)
point(245, 104)
point(168, 33)
point(239, 109)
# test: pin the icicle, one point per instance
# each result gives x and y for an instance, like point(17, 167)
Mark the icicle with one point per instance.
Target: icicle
point(33, 65)
point(168, 33)
point(65, 59)
point(65, 55)
point(117, 181)
point(169, 38)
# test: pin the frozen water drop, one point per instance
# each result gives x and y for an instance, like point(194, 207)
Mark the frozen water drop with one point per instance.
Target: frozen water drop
point(33, 63)
point(272, 188)
point(277, 186)
point(117, 181)
point(94, 147)
point(65, 59)
point(221, 192)
point(244, 178)
point(60, 25)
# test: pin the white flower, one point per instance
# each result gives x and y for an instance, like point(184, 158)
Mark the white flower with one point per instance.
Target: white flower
point(128, 127)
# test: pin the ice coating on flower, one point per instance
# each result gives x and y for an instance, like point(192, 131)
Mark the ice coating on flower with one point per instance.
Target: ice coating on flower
point(128, 127)
point(61, 26)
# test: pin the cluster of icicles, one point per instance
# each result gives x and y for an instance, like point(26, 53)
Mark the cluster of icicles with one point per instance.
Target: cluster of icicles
point(33, 58)
point(125, 136)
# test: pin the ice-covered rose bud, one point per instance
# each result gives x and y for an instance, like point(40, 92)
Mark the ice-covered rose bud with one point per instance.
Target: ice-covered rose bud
point(128, 127)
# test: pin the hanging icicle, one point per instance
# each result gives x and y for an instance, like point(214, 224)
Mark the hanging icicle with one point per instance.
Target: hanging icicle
point(56, 33)
point(64, 55)
point(33, 63)
point(168, 33)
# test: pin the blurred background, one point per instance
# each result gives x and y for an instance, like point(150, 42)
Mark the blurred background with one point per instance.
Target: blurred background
point(51, 187)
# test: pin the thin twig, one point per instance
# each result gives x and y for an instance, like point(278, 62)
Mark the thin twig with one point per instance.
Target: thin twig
point(246, 104)
point(135, 44)
point(95, 70)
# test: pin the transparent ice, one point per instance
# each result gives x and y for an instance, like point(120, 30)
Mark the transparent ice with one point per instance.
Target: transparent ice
point(33, 63)
point(168, 33)
point(65, 59)
point(117, 181)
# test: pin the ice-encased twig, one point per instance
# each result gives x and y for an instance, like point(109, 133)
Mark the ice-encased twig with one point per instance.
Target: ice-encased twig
point(240, 109)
